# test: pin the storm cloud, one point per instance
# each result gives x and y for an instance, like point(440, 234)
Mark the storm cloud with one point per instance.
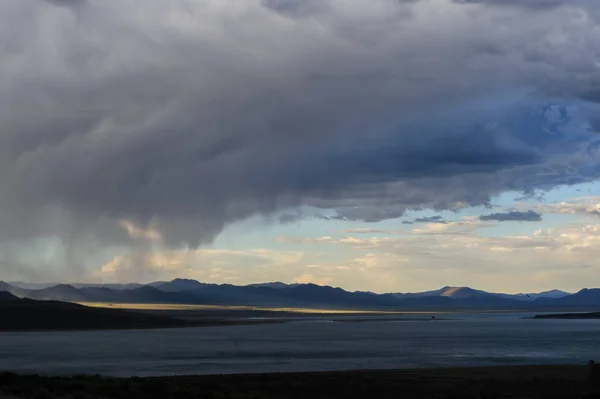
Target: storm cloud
point(187, 115)
point(537, 5)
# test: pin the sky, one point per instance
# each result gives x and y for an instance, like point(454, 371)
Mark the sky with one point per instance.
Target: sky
point(381, 145)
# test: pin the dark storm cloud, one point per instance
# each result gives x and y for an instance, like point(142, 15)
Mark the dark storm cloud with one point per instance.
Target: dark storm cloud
point(66, 3)
point(190, 115)
point(427, 219)
point(513, 216)
point(289, 218)
point(296, 8)
point(534, 4)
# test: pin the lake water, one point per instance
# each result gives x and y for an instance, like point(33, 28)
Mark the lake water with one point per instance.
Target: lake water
point(481, 339)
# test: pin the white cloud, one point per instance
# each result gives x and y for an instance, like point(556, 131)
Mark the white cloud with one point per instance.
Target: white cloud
point(565, 257)
point(585, 206)
point(211, 265)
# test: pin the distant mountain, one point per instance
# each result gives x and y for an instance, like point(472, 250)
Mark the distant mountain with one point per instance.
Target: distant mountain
point(68, 293)
point(311, 294)
point(157, 283)
point(144, 294)
point(450, 292)
point(19, 292)
point(126, 286)
point(31, 286)
point(277, 294)
point(583, 298)
point(276, 284)
point(535, 295)
point(61, 292)
point(470, 293)
point(301, 295)
point(39, 286)
point(180, 284)
point(550, 294)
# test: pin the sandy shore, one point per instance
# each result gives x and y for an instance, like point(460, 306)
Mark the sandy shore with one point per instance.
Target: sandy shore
point(534, 382)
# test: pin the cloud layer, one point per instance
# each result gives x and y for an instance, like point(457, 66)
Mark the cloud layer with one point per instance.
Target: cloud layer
point(180, 117)
point(437, 255)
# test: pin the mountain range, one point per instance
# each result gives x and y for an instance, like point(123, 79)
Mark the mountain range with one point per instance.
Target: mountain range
point(277, 294)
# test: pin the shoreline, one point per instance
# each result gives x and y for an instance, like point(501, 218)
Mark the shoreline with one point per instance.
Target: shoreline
point(189, 322)
point(409, 371)
point(54, 316)
point(166, 307)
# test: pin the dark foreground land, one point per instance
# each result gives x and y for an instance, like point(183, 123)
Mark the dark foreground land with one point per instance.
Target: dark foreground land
point(534, 382)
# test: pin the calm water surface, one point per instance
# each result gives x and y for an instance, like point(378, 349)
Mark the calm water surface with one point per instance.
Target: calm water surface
point(483, 339)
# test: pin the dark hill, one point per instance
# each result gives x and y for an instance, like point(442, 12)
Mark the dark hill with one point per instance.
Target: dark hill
point(29, 314)
point(7, 297)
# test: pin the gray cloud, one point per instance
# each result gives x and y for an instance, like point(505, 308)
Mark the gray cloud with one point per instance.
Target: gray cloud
point(539, 197)
point(297, 8)
point(534, 4)
point(220, 112)
point(514, 216)
point(430, 219)
point(66, 3)
point(289, 218)
point(427, 219)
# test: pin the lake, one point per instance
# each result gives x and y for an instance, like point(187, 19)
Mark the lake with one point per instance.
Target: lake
point(463, 340)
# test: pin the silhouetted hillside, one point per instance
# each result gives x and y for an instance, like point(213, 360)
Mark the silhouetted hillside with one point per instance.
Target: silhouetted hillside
point(7, 297)
point(29, 314)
